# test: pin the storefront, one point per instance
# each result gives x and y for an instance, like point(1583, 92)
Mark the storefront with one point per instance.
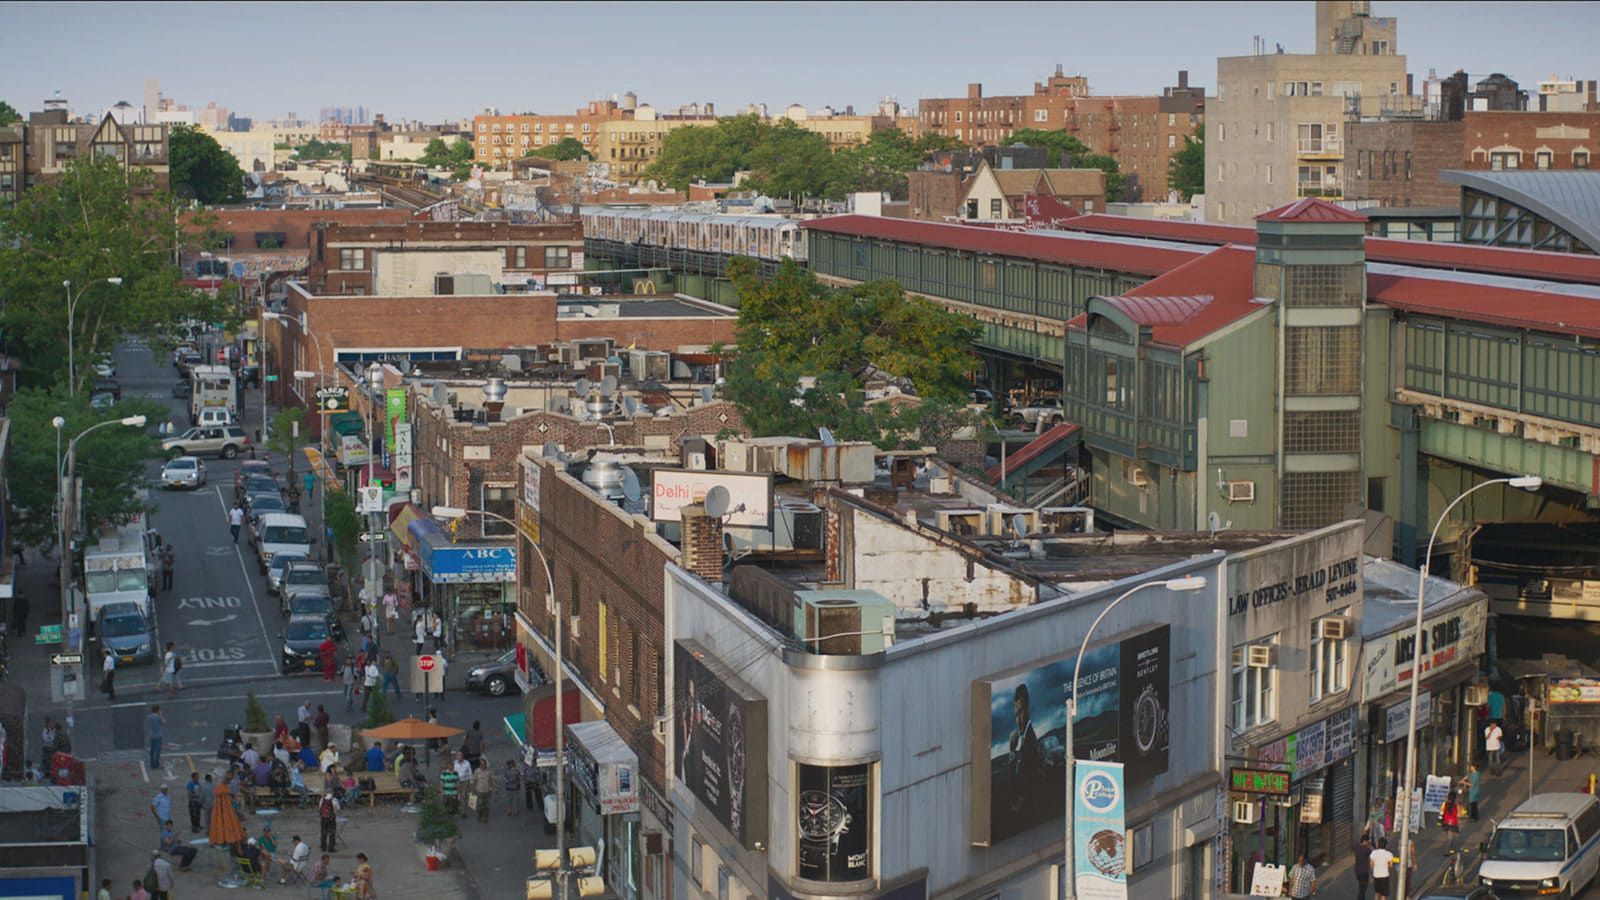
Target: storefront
point(472, 583)
point(1454, 624)
point(604, 776)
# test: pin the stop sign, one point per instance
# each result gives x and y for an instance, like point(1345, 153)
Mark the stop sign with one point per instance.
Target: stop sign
point(426, 663)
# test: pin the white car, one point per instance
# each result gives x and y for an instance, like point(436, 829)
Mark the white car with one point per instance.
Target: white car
point(105, 367)
point(185, 471)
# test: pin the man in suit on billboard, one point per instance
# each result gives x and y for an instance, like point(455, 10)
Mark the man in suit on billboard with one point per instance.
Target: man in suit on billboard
point(1027, 761)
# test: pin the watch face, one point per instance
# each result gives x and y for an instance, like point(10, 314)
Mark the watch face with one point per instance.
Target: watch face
point(1149, 719)
point(822, 816)
point(736, 763)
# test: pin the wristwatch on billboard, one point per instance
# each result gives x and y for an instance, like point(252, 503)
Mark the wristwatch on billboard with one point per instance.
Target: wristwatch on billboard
point(1149, 719)
point(823, 817)
point(736, 762)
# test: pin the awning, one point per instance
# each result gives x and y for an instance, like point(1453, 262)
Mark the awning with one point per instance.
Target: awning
point(544, 714)
point(471, 562)
point(347, 423)
point(605, 767)
point(516, 726)
point(400, 525)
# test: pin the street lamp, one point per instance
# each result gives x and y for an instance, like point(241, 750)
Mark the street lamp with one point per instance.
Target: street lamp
point(551, 602)
point(71, 639)
point(1524, 482)
point(72, 309)
point(1183, 584)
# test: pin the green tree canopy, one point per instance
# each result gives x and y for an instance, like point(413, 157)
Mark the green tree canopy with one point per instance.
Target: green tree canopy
point(94, 222)
point(315, 149)
point(456, 157)
point(1186, 173)
point(792, 326)
point(110, 461)
point(201, 169)
point(565, 149)
point(8, 114)
point(1064, 150)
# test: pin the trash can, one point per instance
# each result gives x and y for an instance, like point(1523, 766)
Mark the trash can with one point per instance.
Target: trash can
point(1564, 743)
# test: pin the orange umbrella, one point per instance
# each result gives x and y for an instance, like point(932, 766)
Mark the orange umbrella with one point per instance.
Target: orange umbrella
point(410, 728)
point(225, 827)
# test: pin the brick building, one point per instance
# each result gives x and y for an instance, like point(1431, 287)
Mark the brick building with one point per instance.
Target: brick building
point(365, 259)
point(1397, 163)
point(934, 195)
point(42, 147)
point(1140, 133)
point(499, 139)
point(993, 194)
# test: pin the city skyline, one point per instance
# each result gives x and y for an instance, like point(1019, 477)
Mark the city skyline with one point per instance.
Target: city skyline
point(676, 54)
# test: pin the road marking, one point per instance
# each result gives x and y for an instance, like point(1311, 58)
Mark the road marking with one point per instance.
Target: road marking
point(251, 587)
point(143, 772)
point(220, 663)
point(220, 551)
point(211, 621)
point(171, 701)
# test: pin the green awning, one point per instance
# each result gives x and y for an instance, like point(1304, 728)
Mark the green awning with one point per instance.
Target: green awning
point(517, 727)
point(347, 423)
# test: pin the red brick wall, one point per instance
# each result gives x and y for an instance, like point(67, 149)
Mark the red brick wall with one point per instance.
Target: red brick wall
point(325, 278)
point(1376, 162)
point(656, 334)
point(1485, 132)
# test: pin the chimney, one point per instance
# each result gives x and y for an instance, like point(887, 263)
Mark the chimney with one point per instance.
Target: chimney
point(975, 91)
point(1183, 78)
point(494, 399)
point(702, 543)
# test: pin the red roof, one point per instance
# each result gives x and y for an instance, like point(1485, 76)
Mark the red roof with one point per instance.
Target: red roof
point(1054, 435)
point(1226, 274)
point(1490, 304)
point(1152, 311)
point(1544, 265)
point(1310, 209)
point(1132, 259)
point(1164, 229)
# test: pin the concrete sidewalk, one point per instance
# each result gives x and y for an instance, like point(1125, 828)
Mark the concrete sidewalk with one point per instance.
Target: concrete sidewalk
point(1500, 795)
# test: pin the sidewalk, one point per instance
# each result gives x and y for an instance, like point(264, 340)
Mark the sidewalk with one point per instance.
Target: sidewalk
point(1500, 795)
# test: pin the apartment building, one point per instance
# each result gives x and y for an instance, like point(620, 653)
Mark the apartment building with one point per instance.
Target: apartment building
point(499, 139)
point(43, 146)
point(1274, 129)
point(440, 258)
point(630, 145)
point(1140, 133)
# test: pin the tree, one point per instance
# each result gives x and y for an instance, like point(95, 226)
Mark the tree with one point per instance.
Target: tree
point(1064, 150)
point(8, 114)
point(339, 514)
point(456, 157)
point(95, 221)
point(255, 717)
point(566, 148)
point(1186, 173)
point(792, 326)
point(315, 149)
point(378, 712)
point(111, 461)
point(790, 161)
point(285, 424)
point(201, 169)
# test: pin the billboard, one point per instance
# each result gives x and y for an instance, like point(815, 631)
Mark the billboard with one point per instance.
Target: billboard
point(720, 753)
point(402, 456)
point(749, 496)
point(394, 410)
point(1019, 729)
point(1099, 832)
point(834, 823)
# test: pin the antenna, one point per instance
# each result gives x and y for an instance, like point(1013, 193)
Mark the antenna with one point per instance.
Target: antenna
point(582, 387)
point(716, 502)
point(826, 435)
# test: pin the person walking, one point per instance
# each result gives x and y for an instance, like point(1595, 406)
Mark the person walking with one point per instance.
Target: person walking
point(192, 790)
point(163, 873)
point(169, 561)
point(1302, 879)
point(449, 786)
point(1450, 820)
point(108, 676)
point(309, 479)
point(483, 788)
point(512, 782)
point(463, 770)
point(1473, 783)
point(349, 677)
point(440, 664)
point(1494, 745)
point(319, 722)
point(170, 666)
point(437, 630)
point(1382, 866)
point(391, 610)
point(154, 724)
point(235, 520)
point(391, 674)
point(208, 793)
point(369, 682)
point(472, 743)
point(1362, 864)
point(328, 817)
point(419, 633)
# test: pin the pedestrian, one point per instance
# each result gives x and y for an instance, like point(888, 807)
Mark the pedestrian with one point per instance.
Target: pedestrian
point(138, 892)
point(1302, 879)
point(419, 633)
point(105, 890)
point(207, 798)
point(47, 740)
point(328, 817)
point(472, 743)
point(369, 682)
point(449, 784)
point(391, 673)
point(512, 782)
point(391, 610)
point(363, 879)
point(528, 782)
point(1450, 819)
point(161, 808)
point(1382, 864)
point(1363, 866)
point(236, 519)
point(439, 665)
point(350, 687)
point(309, 479)
point(1471, 782)
point(367, 625)
point(163, 873)
point(303, 714)
point(171, 846)
point(437, 629)
point(108, 677)
point(463, 770)
point(193, 789)
point(319, 721)
point(1494, 745)
point(483, 789)
point(170, 666)
point(169, 561)
point(19, 612)
point(329, 653)
point(153, 725)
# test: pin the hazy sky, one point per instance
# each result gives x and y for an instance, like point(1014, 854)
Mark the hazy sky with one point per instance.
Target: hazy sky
point(448, 60)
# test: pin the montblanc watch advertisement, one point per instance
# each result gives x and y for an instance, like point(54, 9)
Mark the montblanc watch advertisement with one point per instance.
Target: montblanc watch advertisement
point(835, 823)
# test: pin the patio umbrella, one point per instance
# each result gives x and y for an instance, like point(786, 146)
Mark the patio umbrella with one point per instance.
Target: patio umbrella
point(410, 728)
point(225, 826)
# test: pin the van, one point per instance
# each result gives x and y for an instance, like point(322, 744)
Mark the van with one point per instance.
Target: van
point(1550, 845)
point(214, 415)
point(281, 533)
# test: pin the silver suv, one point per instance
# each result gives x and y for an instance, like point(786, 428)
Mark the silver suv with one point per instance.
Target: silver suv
point(226, 441)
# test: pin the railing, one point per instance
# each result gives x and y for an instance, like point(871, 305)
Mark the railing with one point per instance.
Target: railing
point(1319, 147)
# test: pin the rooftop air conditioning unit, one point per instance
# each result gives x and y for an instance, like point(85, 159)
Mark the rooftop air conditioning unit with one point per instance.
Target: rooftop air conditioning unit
point(1001, 520)
point(1261, 656)
point(1334, 628)
point(564, 354)
point(1245, 812)
point(962, 522)
point(1138, 478)
point(843, 622)
point(1241, 492)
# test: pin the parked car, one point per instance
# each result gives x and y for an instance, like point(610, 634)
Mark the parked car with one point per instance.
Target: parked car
point(107, 384)
point(246, 469)
point(182, 350)
point(102, 400)
point(281, 533)
point(499, 675)
point(224, 441)
point(105, 367)
point(301, 576)
point(310, 603)
point(302, 636)
point(182, 390)
point(189, 360)
point(1042, 412)
point(124, 629)
point(215, 415)
point(276, 566)
point(185, 471)
point(256, 482)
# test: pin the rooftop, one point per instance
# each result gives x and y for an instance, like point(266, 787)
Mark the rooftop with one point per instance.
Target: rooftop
point(1390, 596)
point(1569, 199)
point(1310, 209)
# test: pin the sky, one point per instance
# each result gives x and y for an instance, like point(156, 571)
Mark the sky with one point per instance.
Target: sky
point(451, 60)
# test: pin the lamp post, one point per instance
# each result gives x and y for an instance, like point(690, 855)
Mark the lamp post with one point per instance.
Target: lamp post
point(71, 639)
point(551, 602)
point(375, 384)
point(1184, 584)
point(1524, 482)
point(72, 310)
point(1002, 435)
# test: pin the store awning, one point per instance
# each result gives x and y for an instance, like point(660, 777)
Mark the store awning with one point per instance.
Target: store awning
point(544, 714)
point(605, 767)
point(470, 562)
point(400, 525)
point(516, 726)
point(347, 423)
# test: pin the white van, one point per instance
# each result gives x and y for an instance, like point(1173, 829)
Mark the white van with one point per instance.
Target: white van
point(281, 533)
point(1549, 845)
point(215, 415)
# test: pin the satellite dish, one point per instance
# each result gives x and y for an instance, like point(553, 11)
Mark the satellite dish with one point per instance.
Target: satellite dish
point(608, 385)
point(551, 450)
point(631, 492)
point(1019, 525)
point(630, 404)
point(716, 501)
point(826, 435)
point(438, 395)
point(706, 395)
point(582, 387)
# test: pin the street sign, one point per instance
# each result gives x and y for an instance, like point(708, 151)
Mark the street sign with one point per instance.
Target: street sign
point(426, 663)
point(48, 634)
point(67, 659)
point(373, 537)
point(272, 378)
point(372, 498)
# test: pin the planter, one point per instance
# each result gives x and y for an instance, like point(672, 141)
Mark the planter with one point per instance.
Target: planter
point(445, 846)
point(261, 740)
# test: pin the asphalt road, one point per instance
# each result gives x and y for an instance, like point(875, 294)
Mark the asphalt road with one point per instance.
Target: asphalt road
point(224, 622)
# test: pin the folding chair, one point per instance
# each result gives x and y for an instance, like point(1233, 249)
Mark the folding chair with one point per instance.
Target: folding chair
point(248, 872)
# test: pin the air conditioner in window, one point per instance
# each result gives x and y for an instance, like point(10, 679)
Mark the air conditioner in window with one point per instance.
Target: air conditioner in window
point(1241, 492)
point(1334, 628)
point(964, 522)
point(1138, 478)
point(1477, 695)
point(1261, 656)
point(1245, 812)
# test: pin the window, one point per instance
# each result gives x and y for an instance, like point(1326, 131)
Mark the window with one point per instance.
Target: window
point(519, 257)
point(1041, 115)
point(586, 128)
point(1269, 173)
point(995, 208)
point(1323, 360)
point(1542, 159)
point(1328, 661)
point(1172, 120)
point(1316, 89)
point(1221, 172)
point(958, 115)
point(500, 499)
point(482, 127)
point(1255, 695)
point(1271, 130)
point(1505, 160)
point(1222, 132)
point(350, 260)
point(538, 128)
point(557, 257)
point(495, 128)
point(1580, 159)
point(1172, 141)
point(568, 129)
point(524, 127)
